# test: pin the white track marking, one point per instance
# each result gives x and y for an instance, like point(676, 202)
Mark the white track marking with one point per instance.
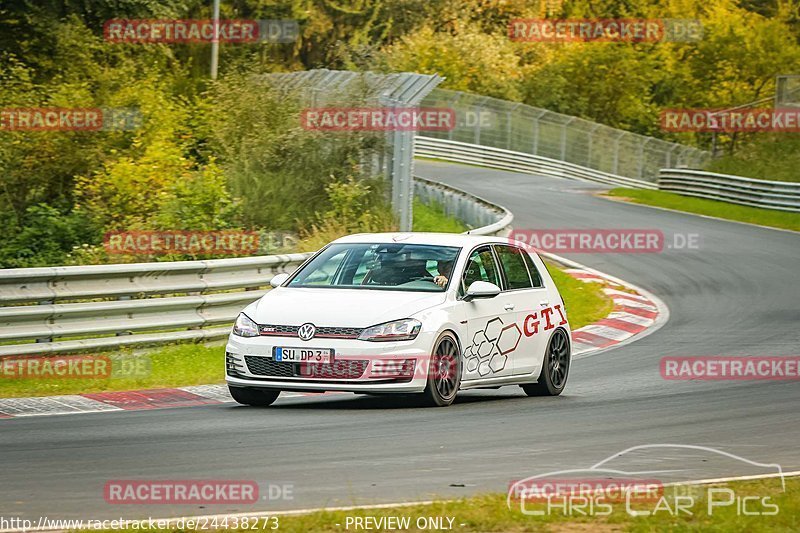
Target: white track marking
point(625, 295)
point(52, 405)
point(631, 318)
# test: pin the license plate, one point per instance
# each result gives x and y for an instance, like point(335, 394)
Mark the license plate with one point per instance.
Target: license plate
point(304, 355)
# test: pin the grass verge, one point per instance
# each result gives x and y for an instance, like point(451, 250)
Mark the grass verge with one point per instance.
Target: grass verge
point(701, 206)
point(172, 366)
point(490, 513)
point(585, 302)
point(433, 218)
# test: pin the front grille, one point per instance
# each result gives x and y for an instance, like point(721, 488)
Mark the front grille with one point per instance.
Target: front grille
point(323, 332)
point(285, 331)
point(264, 366)
point(341, 369)
point(345, 333)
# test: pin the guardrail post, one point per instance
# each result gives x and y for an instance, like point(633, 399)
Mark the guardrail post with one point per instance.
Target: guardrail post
point(509, 114)
point(536, 131)
point(564, 138)
point(615, 164)
point(640, 171)
point(669, 156)
point(452, 105)
point(591, 141)
point(476, 134)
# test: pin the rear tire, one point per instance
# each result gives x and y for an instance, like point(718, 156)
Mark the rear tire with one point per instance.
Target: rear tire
point(444, 372)
point(555, 369)
point(254, 397)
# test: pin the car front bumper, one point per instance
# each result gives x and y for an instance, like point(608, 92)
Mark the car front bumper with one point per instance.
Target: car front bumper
point(358, 366)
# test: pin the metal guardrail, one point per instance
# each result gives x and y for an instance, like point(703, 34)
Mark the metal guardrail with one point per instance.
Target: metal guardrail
point(518, 127)
point(778, 195)
point(516, 161)
point(140, 303)
point(481, 216)
point(86, 308)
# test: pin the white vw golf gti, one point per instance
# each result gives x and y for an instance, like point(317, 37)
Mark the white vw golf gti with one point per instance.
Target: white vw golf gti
point(418, 313)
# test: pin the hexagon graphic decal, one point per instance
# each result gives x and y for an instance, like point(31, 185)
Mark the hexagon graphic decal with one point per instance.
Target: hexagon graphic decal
point(493, 328)
point(498, 362)
point(479, 337)
point(509, 339)
point(485, 349)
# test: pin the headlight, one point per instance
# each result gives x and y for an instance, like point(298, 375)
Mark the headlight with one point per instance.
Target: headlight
point(399, 330)
point(244, 327)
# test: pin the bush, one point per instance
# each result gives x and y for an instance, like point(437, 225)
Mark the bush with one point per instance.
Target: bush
point(355, 206)
point(771, 156)
point(281, 171)
point(43, 236)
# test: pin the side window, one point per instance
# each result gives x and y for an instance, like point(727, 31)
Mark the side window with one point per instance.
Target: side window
point(513, 262)
point(481, 266)
point(324, 275)
point(361, 266)
point(535, 277)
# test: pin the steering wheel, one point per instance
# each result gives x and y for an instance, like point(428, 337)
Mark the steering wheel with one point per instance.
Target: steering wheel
point(422, 278)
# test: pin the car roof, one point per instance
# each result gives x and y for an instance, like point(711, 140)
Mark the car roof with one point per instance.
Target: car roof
point(439, 239)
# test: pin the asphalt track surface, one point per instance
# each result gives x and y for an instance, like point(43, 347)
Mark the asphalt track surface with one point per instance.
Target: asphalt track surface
point(737, 295)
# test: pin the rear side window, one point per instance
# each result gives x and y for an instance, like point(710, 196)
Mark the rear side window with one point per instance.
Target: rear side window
point(535, 277)
point(513, 262)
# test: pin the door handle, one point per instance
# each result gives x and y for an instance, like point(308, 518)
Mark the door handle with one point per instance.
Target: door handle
point(508, 307)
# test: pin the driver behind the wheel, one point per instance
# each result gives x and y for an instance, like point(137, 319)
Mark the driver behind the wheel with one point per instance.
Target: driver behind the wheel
point(396, 271)
point(445, 269)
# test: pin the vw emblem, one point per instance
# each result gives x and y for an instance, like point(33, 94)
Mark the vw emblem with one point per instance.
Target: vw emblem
point(306, 331)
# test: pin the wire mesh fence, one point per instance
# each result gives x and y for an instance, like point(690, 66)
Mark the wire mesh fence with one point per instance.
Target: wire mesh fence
point(522, 128)
point(787, 92)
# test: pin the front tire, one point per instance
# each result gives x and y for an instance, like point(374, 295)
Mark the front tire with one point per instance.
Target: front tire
point(555, 369)
point(444, 372)
point(254, 397)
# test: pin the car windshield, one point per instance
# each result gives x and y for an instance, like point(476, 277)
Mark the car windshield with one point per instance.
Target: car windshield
point(387, 266)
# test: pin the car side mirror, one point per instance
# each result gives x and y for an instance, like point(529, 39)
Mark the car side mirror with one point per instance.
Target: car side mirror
point(481, 289)
point(278, 279)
